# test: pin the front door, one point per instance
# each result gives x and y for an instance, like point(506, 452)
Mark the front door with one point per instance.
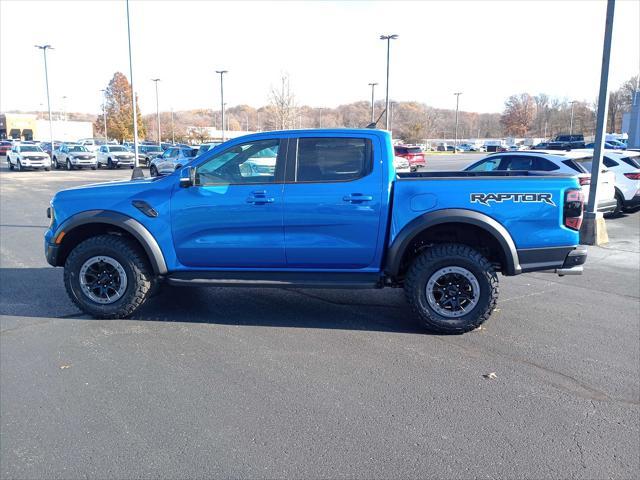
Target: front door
point(332, 203)
point(233, 216)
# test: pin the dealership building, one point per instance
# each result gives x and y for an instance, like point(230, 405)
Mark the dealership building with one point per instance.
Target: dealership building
point(27, 126)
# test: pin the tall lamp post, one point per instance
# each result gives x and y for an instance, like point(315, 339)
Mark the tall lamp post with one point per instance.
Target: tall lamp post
point(594, 230)
point(133, 95)
point(373, 86)
point(455, 144)
point(222, 72)
point(156, 80)
point(44, 49)
point(388, 38)
point(104, 114)
point(571, 123)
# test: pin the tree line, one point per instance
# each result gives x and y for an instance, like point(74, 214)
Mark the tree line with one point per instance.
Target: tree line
point(524, 115)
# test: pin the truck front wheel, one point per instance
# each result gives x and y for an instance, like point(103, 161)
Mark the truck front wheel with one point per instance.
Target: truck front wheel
point(452, 288)
point(107, 276)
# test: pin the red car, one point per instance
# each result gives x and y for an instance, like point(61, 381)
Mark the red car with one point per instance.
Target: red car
point(5, 146)
point(414, 156)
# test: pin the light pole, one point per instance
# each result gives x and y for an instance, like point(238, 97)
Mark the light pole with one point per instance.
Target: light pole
point(388, 38)
point(571, 124)
point(222, 72)
point(133, 95)
point(104, 114)
point(156, 80)
point(46, 79)
point(373, 86)
point(594, 230)
point(455, 144)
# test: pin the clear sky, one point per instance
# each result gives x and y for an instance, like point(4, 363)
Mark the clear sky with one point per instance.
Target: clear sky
point(486, 49)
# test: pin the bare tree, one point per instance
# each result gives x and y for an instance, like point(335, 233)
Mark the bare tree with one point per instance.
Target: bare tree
point(283, 102)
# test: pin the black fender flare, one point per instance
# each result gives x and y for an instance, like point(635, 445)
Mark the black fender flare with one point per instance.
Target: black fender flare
point(452, 215)
point(126, 223)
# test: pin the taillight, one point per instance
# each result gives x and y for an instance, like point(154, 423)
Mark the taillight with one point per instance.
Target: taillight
point(633, 176)
point(585, 180)
point(573, 207)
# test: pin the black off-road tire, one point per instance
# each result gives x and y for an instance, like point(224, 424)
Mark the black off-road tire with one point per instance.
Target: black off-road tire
point(140, 277)
point(451, 255)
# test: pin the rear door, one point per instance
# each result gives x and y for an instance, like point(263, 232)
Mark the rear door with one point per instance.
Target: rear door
point(333, 201)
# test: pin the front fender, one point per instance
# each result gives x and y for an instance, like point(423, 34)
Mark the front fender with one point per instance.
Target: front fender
point(126, 223)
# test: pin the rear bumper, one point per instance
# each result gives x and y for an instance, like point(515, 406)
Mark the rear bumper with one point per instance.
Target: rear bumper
point(561, 260)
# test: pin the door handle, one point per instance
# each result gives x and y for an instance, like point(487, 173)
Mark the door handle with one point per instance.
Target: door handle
point(357, 198)
point(260, 200)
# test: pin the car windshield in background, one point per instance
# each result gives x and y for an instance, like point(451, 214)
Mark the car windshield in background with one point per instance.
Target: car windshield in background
point(189, 152)
point(118, 148)
point(77, 148)
point(30, 148)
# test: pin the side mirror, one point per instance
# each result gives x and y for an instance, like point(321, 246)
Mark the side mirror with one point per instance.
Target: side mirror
point(187, 177)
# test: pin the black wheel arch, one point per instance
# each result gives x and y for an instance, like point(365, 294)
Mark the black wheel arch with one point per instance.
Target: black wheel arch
point(393, 263)
point(94, 222)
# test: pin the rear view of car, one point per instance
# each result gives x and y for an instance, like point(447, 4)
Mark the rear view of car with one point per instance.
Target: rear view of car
point(5, 146)
point(413, 155)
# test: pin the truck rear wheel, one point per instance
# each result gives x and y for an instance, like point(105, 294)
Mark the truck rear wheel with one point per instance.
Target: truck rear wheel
point(107, 276)
point(452, 288)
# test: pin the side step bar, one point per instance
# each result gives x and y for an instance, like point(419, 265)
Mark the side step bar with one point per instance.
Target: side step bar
point(276, 279)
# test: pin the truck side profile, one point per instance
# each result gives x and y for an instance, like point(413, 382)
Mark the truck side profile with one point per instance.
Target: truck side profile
point(315, 209)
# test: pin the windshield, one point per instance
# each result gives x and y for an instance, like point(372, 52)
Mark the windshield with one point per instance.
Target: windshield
point(30, 148)
point(117, 148)
point(77, 148)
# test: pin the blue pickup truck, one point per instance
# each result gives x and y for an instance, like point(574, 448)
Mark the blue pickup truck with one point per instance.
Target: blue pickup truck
point(315, 209)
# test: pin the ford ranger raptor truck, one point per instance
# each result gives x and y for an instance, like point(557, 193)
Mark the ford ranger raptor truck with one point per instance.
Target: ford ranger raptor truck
point(315, 209)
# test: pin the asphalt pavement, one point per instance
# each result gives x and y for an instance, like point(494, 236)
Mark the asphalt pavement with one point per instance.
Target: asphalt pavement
point(263, 383)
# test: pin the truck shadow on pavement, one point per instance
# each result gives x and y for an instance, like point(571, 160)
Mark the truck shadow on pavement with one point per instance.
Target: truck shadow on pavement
point(40, 292)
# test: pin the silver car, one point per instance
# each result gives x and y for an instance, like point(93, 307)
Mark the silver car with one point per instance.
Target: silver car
point(172, 159)
point(115, 156)
point(70, 156)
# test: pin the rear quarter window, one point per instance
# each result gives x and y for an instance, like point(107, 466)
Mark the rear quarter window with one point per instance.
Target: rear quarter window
point(572, 164)
point(632, 161)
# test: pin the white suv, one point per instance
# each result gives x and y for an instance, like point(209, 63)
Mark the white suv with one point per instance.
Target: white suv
point(28, 156)
point(115, 156)
point(556, 161)
point(626, 168)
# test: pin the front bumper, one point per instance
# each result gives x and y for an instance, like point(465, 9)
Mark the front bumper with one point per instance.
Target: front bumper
point(607, 206)
point(51, 252)
point(632, 202)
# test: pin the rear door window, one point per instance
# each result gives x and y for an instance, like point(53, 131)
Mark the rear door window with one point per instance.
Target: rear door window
point(333, 159)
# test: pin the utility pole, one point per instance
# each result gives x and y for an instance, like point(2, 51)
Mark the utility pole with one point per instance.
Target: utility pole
point(133, 95)
point(104, 114)
point(594, 230)
point(222, 72)
point(455, 145)
point(373, 87)
point(46, 79)
point(388, 38)
point(156, 80)
point(571, 124)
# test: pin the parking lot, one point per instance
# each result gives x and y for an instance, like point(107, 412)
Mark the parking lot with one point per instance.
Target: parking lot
point(295, 383)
